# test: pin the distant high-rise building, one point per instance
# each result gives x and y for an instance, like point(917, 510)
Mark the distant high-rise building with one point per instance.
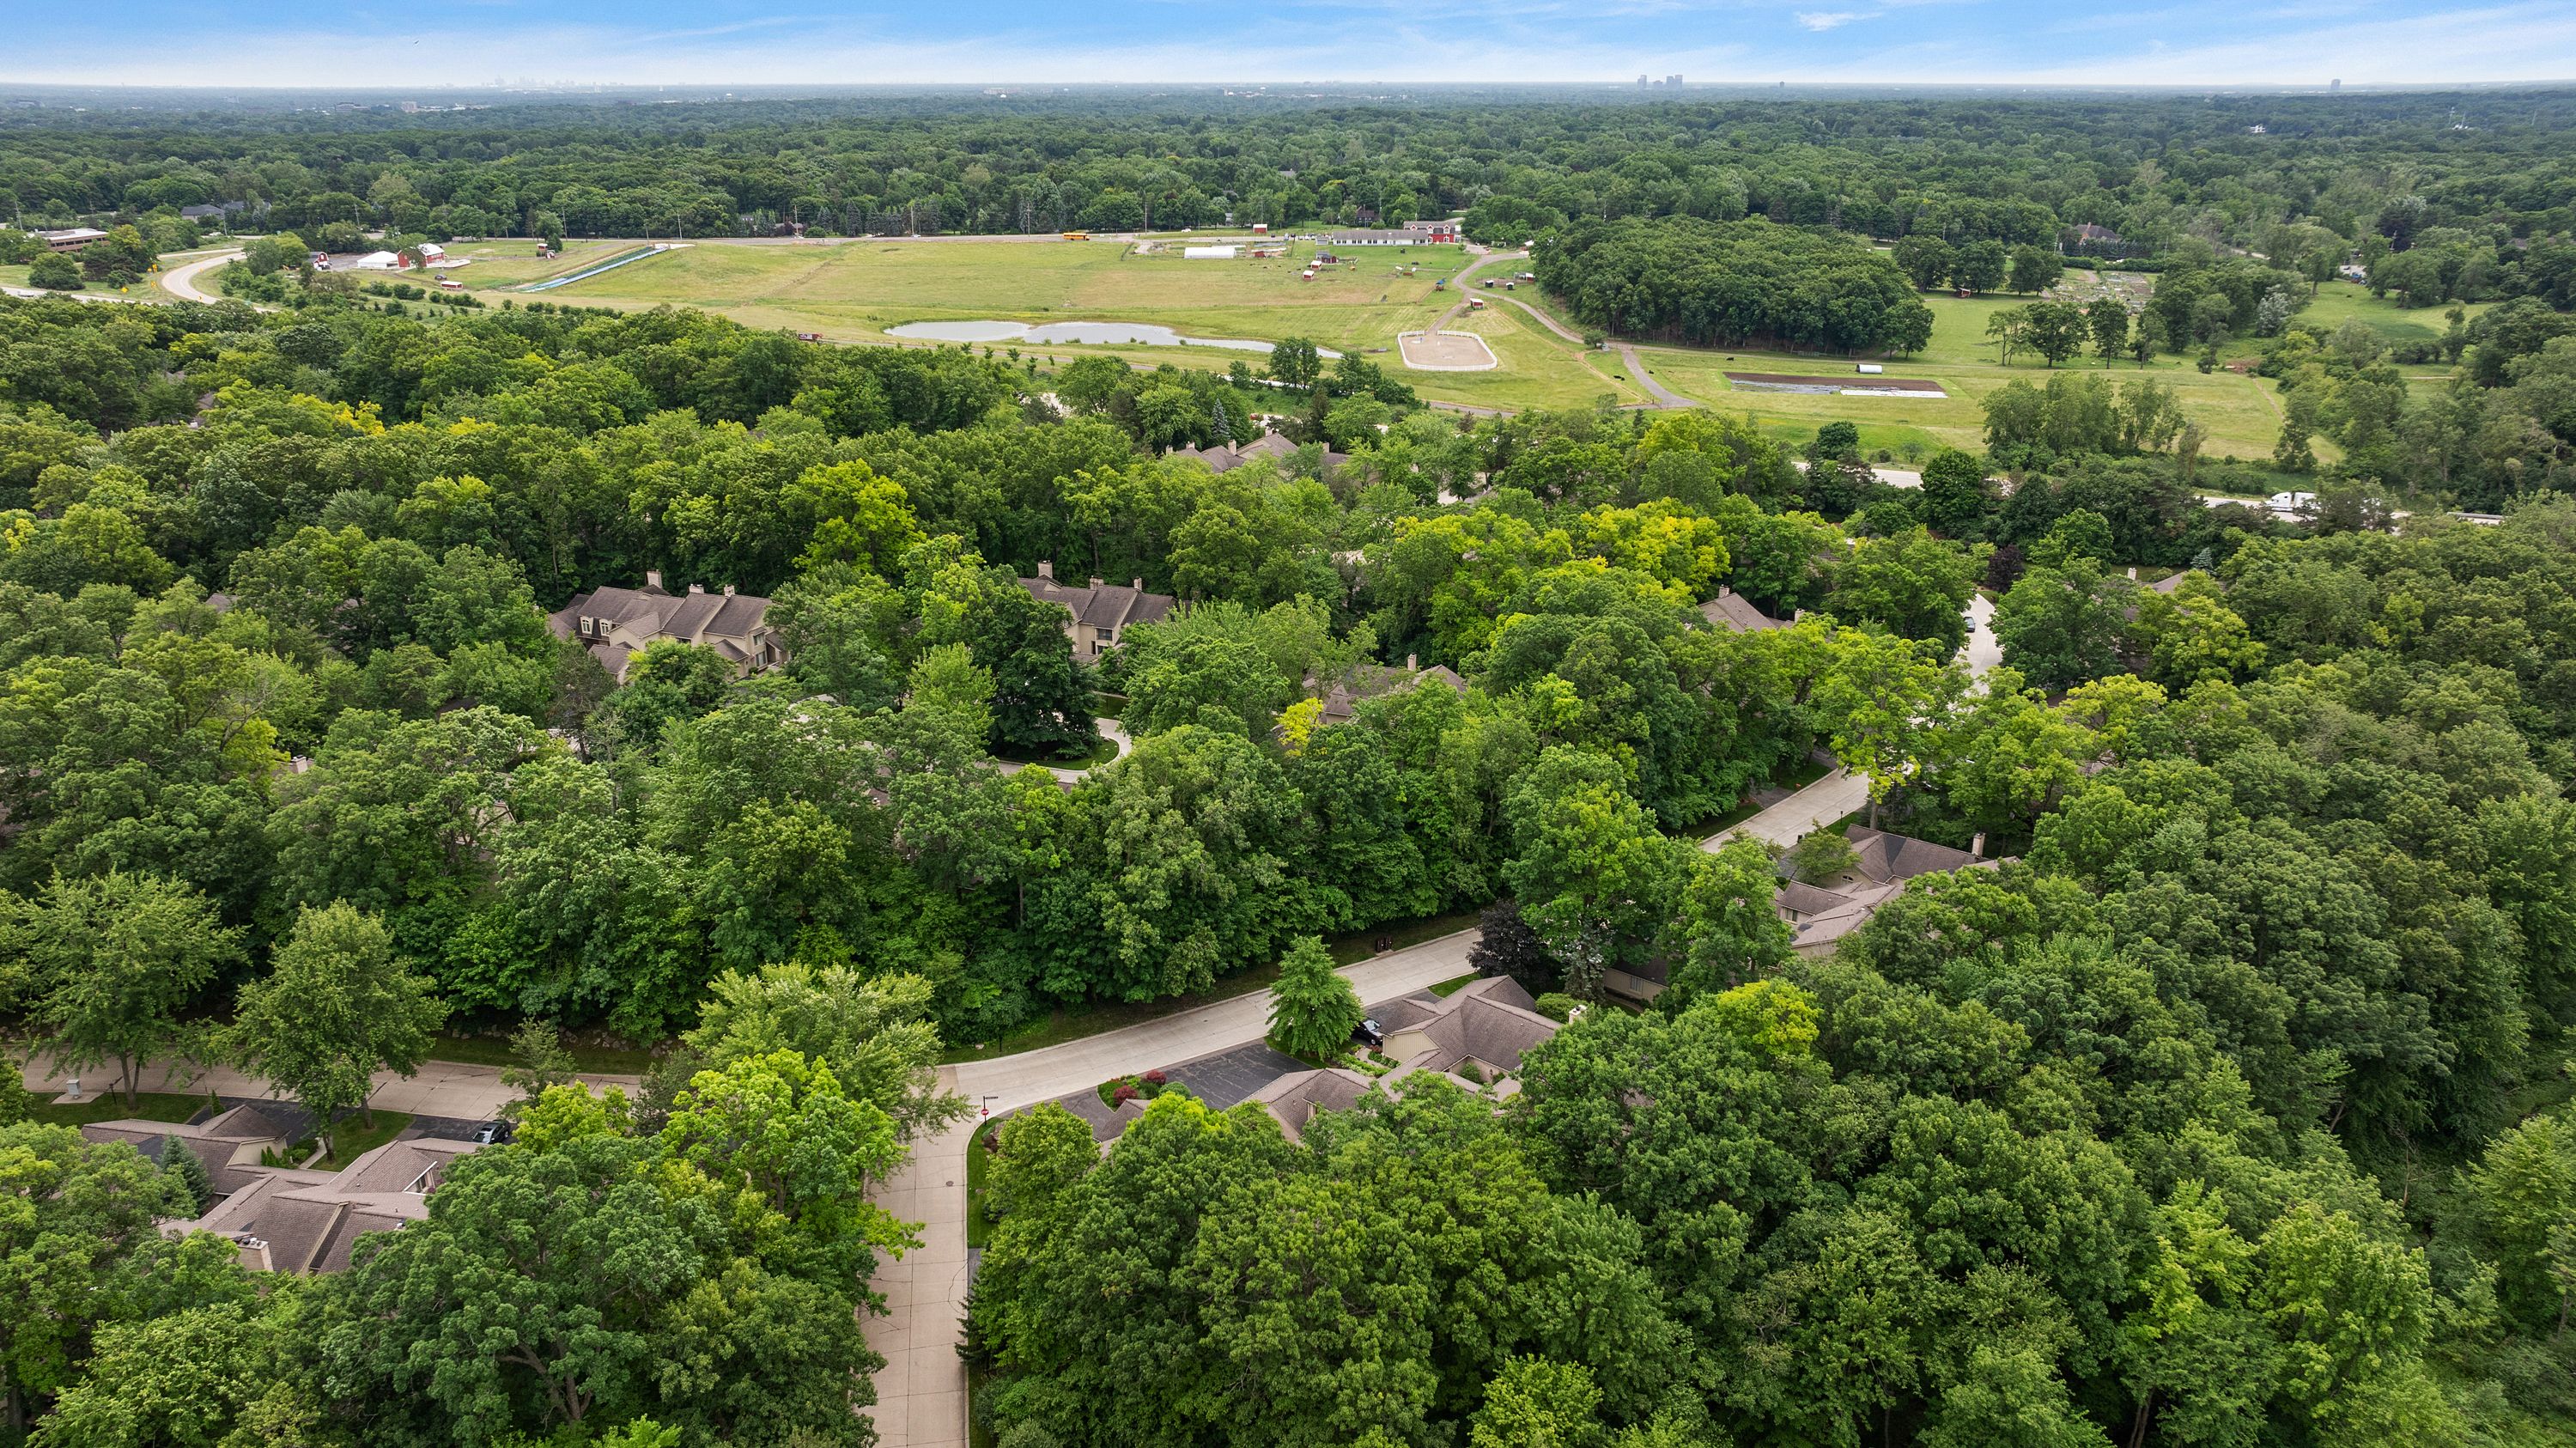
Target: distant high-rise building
point(1674, 81)
point(2332, 85)
point(1641, 82)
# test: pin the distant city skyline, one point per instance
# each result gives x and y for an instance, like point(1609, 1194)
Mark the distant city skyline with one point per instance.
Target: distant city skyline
point(721, 42)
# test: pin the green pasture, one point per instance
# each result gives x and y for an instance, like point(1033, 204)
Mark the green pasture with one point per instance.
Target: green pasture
point(854, 291)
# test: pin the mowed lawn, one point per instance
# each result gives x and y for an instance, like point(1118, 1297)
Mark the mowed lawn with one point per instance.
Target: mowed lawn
point(2337, 302)
point(855, 290)
point(2241, 414)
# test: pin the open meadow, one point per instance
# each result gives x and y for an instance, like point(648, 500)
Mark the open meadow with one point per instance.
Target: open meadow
point(855, 291)
point(2336, 302)
point(858, 290)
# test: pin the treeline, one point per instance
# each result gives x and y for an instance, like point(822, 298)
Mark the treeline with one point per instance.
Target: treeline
point(1734, 284)
point(2158, 173)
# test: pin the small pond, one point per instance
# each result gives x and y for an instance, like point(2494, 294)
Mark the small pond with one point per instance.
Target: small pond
point(1096, 333)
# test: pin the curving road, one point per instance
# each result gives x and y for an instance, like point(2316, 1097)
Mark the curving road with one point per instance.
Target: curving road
point(921, 1393)
point(1665, 399)
point(181, 281)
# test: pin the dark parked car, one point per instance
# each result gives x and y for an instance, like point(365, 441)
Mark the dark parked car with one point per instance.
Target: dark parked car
point(1370, 1034)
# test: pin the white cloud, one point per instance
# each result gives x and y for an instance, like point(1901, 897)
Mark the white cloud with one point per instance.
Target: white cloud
point(1828, 19)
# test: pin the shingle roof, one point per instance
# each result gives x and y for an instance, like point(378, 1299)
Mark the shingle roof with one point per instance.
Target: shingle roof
point(1886, 857)
point(1369, 681)
point(307, 1221)
point(637, 607)
point(1294, 1099)
point(1488, 1019)
point(1103, 606)
point(1732, 610)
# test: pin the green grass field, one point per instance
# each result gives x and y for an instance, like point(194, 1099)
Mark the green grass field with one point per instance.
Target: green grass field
point(2241, 414)
point(853, 291)
point(2337, 302)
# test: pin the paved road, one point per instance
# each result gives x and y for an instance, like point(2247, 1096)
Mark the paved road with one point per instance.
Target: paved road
point(441, 1088)
point(38, 294)
point(921, 1394)
point(1821, 803)
point(1460, 282)
point(1665, 399)
point(181, 281)
point(1983, 653)
point(1637, 369)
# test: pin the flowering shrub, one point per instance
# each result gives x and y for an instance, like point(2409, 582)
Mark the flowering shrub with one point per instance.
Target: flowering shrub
point(1125, 1093)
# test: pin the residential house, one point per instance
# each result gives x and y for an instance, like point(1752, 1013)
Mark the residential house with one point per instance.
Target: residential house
point(229, 1144)
point(310, 1221)
point(282, 1219)
point(616, 623)
point(1369, 681)
point(1820, 915)
point(1433, 231)
point(1226, 457)
point(1488, 1023)
point(1294, 1099)
point(1733, 611)
point(1100, 614)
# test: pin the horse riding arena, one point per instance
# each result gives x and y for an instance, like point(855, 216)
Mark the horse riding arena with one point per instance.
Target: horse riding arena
point(1446, 352)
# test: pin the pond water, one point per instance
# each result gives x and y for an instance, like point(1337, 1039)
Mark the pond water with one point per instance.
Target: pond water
point(1097, 333)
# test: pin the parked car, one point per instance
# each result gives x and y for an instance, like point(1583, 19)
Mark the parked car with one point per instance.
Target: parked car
point(1370, 1034)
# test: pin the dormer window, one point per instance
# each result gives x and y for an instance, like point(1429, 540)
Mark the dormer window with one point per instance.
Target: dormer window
point(585, 625)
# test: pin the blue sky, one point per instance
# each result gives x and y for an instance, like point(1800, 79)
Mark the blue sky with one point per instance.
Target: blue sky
point(702, 42)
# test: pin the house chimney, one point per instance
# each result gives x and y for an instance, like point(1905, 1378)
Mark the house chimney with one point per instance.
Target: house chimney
point(1098, 582)
point(1138, 584)
point(2133, 573)
point(697, 588)
point(1047, 569)
point(1725, 592)
point(1977, 846)
point(1413, 663)
point(652, 578)
point(1797, 615)
point(728, 590)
